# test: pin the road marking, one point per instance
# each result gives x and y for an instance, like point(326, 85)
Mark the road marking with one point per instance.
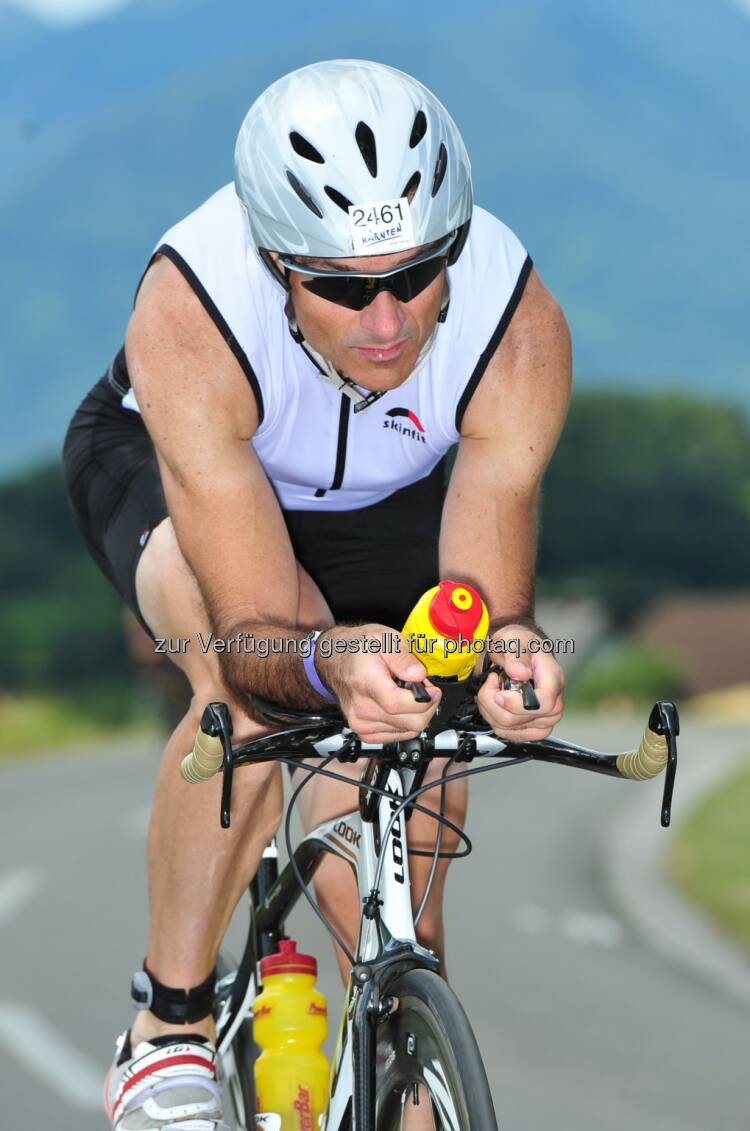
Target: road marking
point(592, 928)
point(31, 1039)
point(531, 919)
point(17, 888)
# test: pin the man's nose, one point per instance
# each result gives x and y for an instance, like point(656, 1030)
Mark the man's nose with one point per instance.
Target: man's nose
point(383, 318)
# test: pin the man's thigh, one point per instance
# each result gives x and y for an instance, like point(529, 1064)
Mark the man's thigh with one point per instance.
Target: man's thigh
point(170, 602)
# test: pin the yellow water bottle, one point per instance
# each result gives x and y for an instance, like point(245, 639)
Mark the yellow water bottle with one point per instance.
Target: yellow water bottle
point(447, 629)
point(290, 1023)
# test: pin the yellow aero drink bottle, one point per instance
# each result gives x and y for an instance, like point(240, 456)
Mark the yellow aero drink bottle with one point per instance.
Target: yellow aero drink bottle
point(446, 630)
point(290, 1023)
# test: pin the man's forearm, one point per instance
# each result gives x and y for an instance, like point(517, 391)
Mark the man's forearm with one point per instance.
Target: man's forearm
point(268, 661)
point(522, 619)
point(490, 541)
point(498, 558)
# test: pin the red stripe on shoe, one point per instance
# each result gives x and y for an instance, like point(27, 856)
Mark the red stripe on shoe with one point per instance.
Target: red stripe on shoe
point(156, 1067)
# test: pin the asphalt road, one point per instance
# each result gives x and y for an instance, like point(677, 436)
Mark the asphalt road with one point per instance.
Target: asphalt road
point(582, 1027)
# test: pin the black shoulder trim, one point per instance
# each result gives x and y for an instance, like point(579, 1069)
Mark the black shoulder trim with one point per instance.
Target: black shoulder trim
point(217, 318)
point(494, 341)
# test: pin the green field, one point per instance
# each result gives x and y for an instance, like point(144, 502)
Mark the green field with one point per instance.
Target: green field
point(710, 858)
point(45, 723)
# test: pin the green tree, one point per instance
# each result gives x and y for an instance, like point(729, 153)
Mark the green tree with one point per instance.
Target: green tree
point(60, 620)
point(647, 494)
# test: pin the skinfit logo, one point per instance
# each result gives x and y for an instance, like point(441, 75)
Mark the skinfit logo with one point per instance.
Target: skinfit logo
point(414, 433)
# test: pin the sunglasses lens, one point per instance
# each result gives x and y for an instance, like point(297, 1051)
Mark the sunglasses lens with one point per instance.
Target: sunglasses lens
point(344, 291)
point(357, 291)
point(413, 280)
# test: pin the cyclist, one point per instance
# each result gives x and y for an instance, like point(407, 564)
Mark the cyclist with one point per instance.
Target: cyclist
point(263, 460)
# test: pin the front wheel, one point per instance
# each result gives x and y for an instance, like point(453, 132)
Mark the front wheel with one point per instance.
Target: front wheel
point(429, 1073)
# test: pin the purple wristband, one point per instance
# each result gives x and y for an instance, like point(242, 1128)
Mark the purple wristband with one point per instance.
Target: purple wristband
point(308, 663)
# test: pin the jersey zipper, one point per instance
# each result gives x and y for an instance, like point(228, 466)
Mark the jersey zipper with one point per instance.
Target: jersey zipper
point(338, 473)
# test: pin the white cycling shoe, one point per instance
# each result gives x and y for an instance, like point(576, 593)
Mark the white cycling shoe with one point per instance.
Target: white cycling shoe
point(168, 1084)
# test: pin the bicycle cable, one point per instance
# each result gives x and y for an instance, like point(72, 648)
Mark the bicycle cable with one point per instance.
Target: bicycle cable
point(408, 800)
point(436, 849)
point(290, 853)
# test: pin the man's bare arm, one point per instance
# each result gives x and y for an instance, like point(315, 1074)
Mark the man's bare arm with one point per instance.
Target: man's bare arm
point(201, 414)
point(489, 530)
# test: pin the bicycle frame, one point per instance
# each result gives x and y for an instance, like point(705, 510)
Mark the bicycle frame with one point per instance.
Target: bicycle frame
point(372, 841)
point(378, 853)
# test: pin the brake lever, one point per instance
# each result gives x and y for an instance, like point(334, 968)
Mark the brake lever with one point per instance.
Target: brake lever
point(216, 720)
point(418, 690)
point(664, 719)
point(526, 687)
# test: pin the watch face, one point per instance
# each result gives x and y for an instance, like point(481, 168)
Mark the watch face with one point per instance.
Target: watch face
point(140, 988)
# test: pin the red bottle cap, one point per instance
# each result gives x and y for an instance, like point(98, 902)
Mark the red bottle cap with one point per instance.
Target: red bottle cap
point(288, 961)
point(455, 610)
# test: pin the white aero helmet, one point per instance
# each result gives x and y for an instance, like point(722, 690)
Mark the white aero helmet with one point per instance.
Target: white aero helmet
point(326, 152)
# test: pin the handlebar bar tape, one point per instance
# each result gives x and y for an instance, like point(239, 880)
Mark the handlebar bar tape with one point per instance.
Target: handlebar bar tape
point(647, 761)
point(204, 760)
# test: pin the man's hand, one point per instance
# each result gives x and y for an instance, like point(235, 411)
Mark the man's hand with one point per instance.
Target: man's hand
point(376, 708)
point(504, 710)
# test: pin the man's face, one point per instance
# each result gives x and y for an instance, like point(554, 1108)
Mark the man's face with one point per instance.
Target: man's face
point(376, 347)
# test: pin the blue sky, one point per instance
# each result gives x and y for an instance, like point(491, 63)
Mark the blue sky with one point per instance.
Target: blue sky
point(76, 11)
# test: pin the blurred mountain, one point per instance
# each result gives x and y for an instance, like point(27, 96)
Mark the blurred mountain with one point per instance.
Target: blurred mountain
point(612, 138)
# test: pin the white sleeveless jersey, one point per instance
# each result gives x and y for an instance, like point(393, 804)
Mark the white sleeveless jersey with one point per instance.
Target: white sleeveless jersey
point(317, 452)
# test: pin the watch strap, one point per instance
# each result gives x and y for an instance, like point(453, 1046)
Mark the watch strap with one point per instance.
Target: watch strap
point(169, 1003)
point(308, 663)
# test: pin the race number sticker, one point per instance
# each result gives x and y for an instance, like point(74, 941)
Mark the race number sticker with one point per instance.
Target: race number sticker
point(385, 224)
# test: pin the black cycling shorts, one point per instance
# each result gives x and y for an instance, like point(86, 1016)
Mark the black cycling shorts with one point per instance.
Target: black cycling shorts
point(370, 564)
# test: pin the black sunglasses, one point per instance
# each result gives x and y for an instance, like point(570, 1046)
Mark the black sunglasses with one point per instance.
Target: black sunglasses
point(358, 291)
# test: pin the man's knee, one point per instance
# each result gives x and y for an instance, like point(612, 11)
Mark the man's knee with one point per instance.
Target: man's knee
point(257, 789)
point(263, 775)
point(244, 727)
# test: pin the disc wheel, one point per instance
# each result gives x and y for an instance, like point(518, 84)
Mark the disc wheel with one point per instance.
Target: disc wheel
point(429, 1072)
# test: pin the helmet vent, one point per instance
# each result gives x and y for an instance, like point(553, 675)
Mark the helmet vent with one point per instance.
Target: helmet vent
point(366, 142)
point(440, 166)
point(418, 130)
point(338, 198)
point(412, 185)
point(305, 149)
point(303, 194)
